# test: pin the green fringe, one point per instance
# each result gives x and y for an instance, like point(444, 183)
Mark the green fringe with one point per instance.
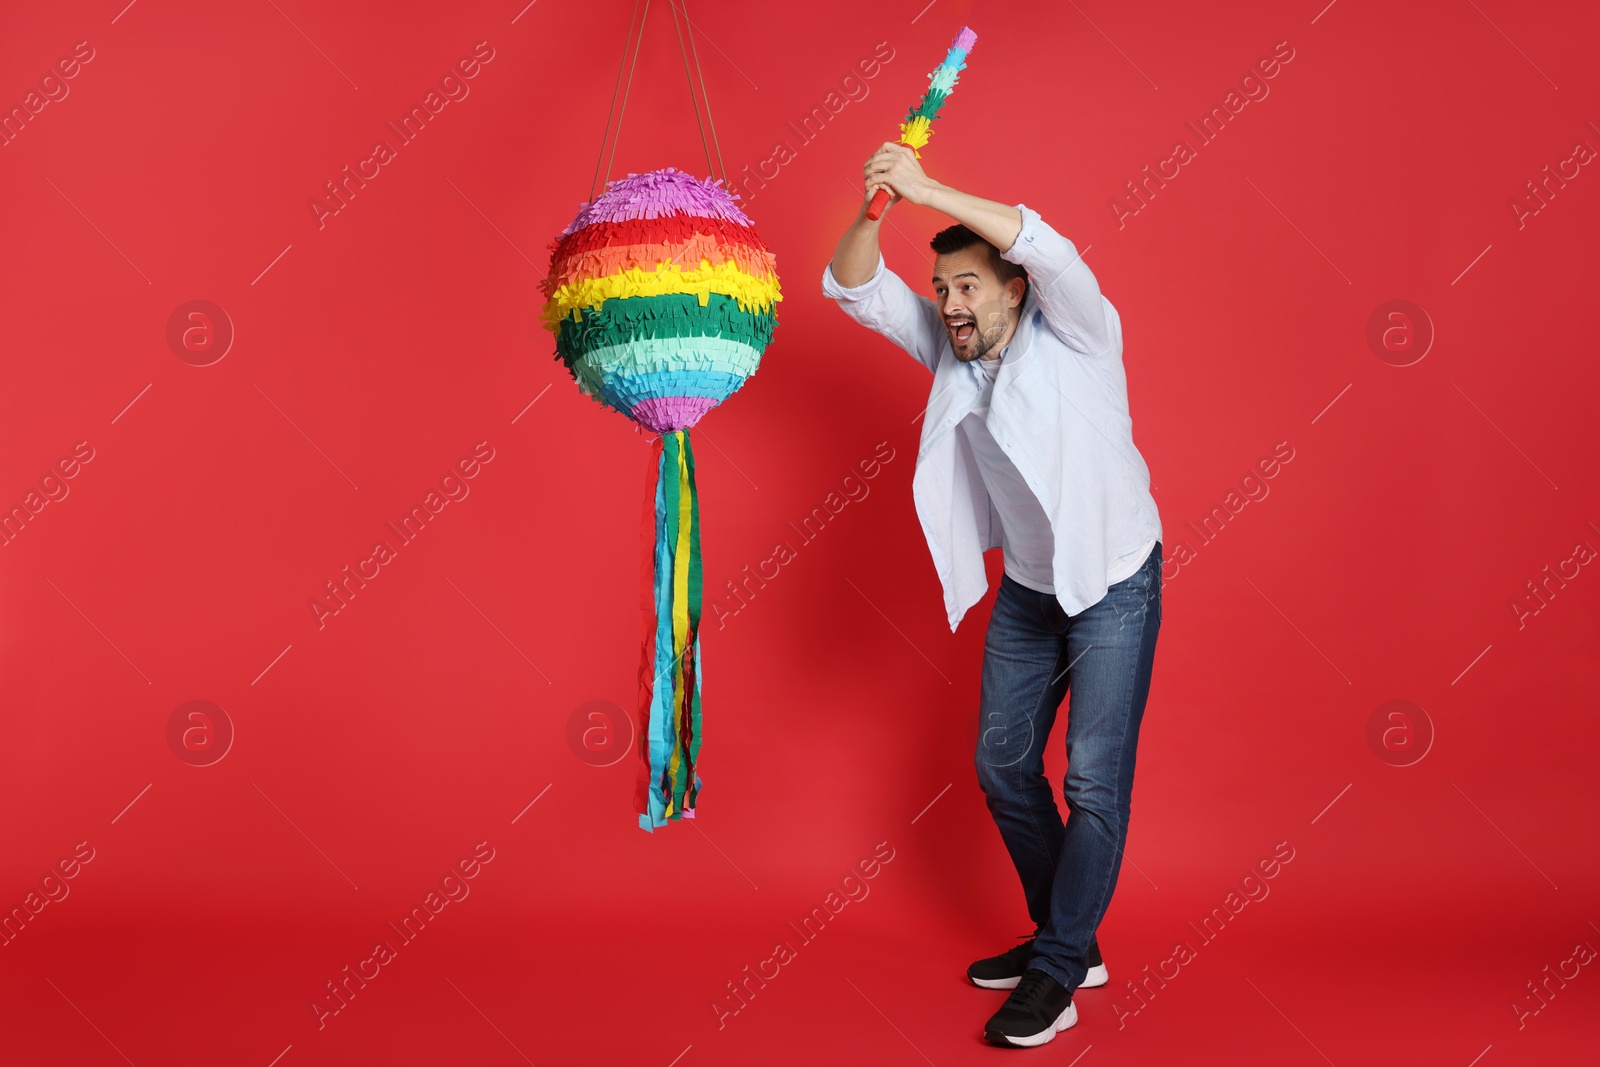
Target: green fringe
point(620, 322)
point(929, 106)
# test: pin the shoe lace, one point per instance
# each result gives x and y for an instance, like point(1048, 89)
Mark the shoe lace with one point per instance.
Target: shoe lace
point(1032, 989)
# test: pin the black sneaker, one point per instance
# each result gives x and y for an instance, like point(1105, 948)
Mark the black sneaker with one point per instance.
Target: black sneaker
point(1097, 975)
point(1035, 1011)
point(1004, 971)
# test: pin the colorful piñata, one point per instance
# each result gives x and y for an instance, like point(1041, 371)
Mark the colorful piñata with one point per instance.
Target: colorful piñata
point(662, 299)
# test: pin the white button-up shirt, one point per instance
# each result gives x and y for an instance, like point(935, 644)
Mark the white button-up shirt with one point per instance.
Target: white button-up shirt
point(1059, 410)
point(1024, 527)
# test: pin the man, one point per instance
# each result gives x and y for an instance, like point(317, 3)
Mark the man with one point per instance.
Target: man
point(1027, 445)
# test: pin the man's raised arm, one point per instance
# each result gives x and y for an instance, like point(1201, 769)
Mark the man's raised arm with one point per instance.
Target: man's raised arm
point(876, 297)
point(855, 261)
point(1066, 288)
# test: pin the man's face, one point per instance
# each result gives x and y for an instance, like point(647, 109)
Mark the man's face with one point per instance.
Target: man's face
point(978, 311)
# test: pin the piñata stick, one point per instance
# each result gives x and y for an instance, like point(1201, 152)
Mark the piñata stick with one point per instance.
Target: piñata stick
point(918, 127)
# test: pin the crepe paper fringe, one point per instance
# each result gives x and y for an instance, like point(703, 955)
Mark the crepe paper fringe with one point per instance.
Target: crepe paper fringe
point(666, 413)
point(699, 250)
point(661, 192)
point(627, 394)
point(752, 294)
point(918, 126)
point(915, 134)
point(669, 673)
point(635, 231)
point(690, 354)
point(626, 321)
point(626, 390)
point(930, 105)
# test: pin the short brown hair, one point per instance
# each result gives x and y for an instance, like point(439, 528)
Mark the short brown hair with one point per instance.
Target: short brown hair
point(955, 238)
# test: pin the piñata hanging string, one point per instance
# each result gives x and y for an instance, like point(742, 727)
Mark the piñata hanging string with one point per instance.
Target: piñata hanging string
point(663, 344)
point(632, 42)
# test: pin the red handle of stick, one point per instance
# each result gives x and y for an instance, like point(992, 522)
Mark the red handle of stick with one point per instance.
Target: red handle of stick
point(880, 200)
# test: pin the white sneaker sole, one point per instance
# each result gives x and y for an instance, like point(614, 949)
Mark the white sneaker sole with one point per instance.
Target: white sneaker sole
point(1097, 976)
point(1065, 1021)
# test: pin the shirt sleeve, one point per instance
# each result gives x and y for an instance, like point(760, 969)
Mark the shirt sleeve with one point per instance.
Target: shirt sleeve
point(886, 304)
point(1064, 285)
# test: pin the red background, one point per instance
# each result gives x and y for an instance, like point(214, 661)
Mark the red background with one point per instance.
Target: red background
point(372, 353)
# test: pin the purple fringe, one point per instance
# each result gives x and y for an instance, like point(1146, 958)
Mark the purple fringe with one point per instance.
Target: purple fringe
point(667, 413)
point(656, 193)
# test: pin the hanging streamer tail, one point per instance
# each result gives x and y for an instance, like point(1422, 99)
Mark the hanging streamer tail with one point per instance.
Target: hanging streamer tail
point(669, 670)
point(917, 128)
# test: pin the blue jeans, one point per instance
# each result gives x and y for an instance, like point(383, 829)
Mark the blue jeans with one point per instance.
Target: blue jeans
point(1033, 653)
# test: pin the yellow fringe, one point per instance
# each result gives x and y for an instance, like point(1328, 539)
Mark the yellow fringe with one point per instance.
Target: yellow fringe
point(915, 134)
point(726, 279)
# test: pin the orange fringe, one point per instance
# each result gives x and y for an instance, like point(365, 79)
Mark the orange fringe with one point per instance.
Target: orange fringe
point(687, 254)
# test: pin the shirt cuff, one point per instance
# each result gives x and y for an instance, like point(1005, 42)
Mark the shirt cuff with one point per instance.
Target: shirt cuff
point(1018, 252)
point(832, 288)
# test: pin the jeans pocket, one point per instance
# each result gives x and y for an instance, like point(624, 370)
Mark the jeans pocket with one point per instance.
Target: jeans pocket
point(1140, 591)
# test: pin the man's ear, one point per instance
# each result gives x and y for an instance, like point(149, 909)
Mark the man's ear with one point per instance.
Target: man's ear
point(1016, 290)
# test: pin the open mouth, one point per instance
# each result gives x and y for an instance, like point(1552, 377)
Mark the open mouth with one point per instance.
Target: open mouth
point(961, 330)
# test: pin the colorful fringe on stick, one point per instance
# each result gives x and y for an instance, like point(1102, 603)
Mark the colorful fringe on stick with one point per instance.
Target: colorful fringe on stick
point(662, 299)
point(918, 126)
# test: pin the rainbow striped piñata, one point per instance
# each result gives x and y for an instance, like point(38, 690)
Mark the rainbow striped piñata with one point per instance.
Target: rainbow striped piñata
point(662, 299)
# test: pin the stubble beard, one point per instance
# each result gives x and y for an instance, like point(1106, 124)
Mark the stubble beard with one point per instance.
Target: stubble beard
point(983, 342)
